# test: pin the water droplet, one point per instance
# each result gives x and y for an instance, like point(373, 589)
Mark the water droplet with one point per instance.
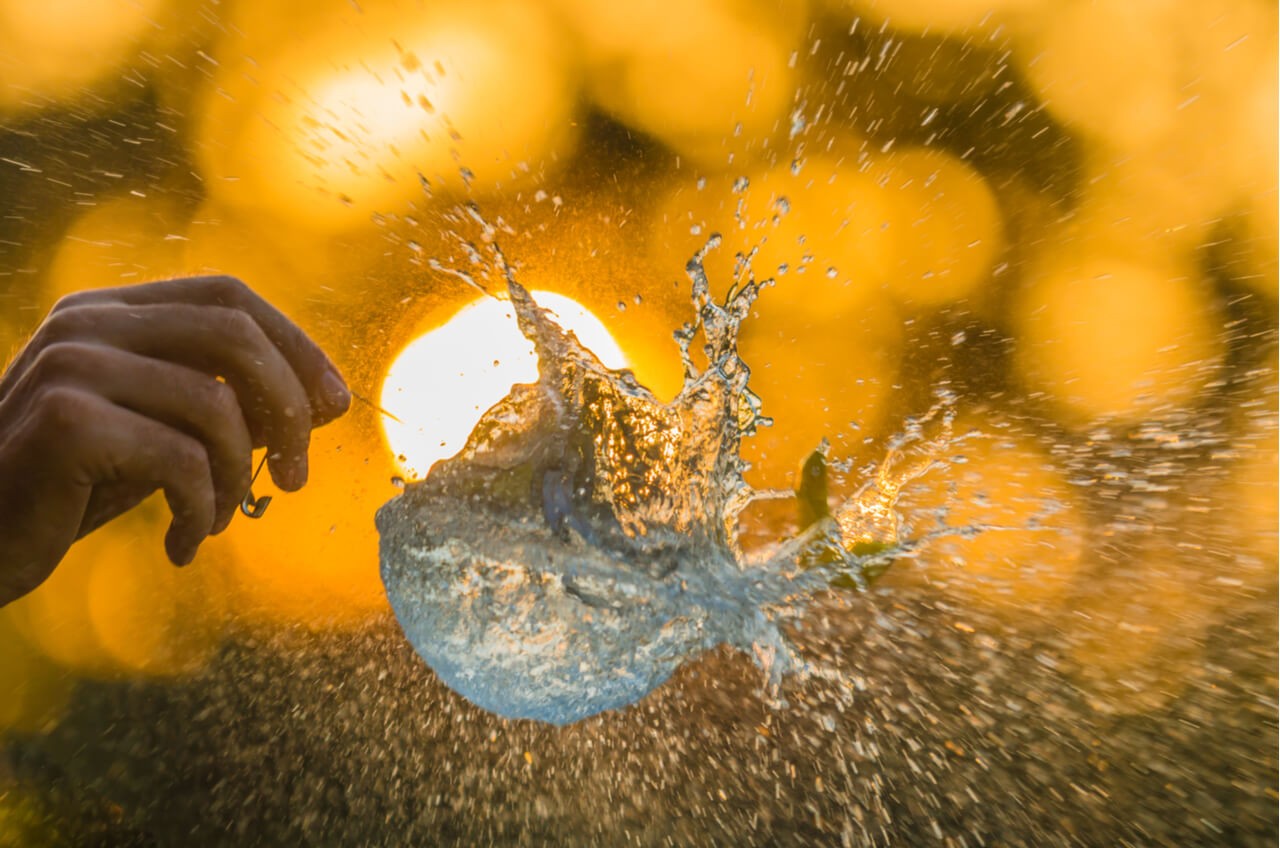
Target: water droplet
point(798, 122)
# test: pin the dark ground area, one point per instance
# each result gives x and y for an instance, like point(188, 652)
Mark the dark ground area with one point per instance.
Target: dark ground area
point(935, 736)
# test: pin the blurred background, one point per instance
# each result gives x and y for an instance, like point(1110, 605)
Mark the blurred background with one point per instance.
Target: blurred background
point(1062, 213)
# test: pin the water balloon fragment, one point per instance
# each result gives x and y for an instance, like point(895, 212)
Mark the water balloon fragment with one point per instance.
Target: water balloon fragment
point(583, 544)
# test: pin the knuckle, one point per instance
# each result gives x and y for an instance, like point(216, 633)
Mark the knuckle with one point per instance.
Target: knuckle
point(59, 410)
point(190, 459)
point(72, 301)
point(58, 361)
point(229, 290)
point(221, 400)
point(62, 324)
point(238, 328)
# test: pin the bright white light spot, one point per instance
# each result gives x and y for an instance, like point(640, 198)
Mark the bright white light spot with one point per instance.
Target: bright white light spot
point(443, 381)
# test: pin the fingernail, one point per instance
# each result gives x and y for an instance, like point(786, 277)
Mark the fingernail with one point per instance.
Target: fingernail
point(180, 552)
point(336, 393)
point(293, 474)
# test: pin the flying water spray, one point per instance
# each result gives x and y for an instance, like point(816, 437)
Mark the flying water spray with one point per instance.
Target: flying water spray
point(584, 543)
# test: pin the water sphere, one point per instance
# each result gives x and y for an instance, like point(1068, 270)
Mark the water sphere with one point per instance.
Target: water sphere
point(584, 542)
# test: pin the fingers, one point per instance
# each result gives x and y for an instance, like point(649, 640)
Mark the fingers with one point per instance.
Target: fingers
point(216, 341)
point(109, 501)
point(187, 400)
point(122, 391)
point(100, 443)
point(326, 391)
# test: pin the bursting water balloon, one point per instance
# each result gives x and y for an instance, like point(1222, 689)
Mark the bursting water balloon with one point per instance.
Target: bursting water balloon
point(583, 545)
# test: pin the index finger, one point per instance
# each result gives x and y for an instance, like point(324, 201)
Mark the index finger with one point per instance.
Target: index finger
point(326, 390)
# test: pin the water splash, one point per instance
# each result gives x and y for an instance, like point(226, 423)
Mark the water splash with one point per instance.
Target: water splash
point(584, 543)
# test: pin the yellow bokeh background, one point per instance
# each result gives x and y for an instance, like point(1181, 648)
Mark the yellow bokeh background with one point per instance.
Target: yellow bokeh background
point(33, 688)
point(330, 128)
point(1089, 187)
point(312, 559)
point(712, 79)
point(115, 606)
point(1115, 338)
point(66, 49)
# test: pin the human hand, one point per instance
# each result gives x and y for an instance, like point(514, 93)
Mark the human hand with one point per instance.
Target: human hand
point(166, 385)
